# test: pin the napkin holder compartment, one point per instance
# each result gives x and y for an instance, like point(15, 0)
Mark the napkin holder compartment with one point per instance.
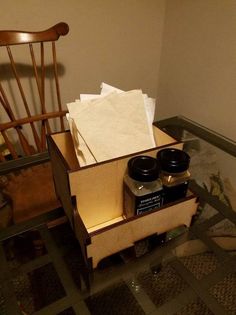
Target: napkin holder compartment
point(92, 198)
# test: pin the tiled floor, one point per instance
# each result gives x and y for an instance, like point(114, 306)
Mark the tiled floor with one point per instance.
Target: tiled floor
point(41, 271)
point(41, 274)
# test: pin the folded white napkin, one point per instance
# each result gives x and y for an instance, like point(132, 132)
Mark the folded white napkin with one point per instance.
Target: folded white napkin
point(111, 124)
point(83, 154)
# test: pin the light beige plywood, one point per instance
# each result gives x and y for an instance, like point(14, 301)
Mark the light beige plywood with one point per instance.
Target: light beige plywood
point(105, 224)
point(123, 236)
point(64, 143)
point(98, 192)
point(161, 138)
point(99, 188)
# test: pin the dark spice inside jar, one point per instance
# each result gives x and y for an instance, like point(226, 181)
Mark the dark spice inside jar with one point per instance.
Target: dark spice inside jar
point(174, 174)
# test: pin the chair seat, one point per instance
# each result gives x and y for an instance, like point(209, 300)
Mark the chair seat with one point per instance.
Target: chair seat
point(31, 192)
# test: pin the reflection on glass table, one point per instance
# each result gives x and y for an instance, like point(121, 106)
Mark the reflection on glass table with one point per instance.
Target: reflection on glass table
point(187, 271)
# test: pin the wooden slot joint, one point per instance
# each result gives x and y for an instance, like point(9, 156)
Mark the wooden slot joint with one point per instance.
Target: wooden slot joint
point(97, 202)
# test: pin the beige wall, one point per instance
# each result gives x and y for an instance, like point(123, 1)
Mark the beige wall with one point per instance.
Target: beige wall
point(118, 42)
point(198, 63)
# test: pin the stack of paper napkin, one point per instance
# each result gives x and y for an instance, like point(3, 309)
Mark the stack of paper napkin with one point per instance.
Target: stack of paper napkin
point(111, 124)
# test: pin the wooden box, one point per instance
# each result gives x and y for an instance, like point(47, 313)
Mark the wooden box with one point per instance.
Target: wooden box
point(92, 197)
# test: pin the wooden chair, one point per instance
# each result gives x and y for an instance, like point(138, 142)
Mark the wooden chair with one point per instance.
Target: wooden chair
point(30, 108)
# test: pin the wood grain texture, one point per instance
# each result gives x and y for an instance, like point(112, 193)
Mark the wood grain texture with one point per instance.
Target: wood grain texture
point(15, 37)
point(63, 144)
point(97, 191)
point(124, 235)
point(60, 175)
point(99, 188)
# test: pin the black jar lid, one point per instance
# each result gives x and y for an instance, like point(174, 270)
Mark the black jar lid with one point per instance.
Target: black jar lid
point(173, 160)
point(143, 168)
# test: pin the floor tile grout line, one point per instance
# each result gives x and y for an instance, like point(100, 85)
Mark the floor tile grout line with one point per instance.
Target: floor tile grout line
point(72, 292)
point(53, 250)
point(140, 295)
point(32, 265)
point(57, 260)
point(114, 276)
point(166, 252)
point(219, 274)
point(168, 308)
point(139, 264)
point(28, 267)
point(81, 308)
point(210, 222)
point(203, 294)
point(214, 202)
point(218, 251)
point(177, 303)
point(7, 287)
point(59, 305)
point(63, 304)
point(98, 287)
point(146, 262)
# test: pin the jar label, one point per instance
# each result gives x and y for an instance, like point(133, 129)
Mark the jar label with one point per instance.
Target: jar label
point(148, 202)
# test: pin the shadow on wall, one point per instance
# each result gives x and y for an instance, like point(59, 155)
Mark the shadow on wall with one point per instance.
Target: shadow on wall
point(29, 85)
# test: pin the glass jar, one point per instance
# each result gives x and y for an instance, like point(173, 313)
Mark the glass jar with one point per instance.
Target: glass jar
point(142, 186)
point(174, 174)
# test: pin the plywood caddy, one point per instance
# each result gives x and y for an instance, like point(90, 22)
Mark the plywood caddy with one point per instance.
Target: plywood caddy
point(92, 197)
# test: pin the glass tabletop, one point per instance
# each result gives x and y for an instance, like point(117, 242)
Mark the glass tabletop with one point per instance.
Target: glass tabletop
point(186, 271)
